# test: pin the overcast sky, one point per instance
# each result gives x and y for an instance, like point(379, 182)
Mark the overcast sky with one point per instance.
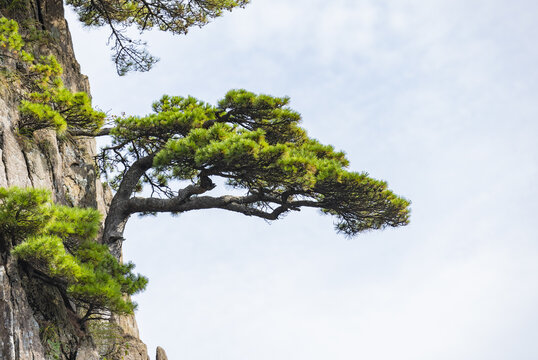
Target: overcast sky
point(437, 97)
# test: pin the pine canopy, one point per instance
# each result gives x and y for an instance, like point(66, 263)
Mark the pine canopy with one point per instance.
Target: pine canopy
point(253, 142)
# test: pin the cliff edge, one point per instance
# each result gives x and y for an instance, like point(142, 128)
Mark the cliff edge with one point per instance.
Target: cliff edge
point(37, 323)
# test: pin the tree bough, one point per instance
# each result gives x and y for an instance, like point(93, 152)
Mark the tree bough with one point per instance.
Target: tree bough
point(255, 144)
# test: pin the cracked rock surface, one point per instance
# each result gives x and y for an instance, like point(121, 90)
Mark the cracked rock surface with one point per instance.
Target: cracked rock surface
point(66, 168)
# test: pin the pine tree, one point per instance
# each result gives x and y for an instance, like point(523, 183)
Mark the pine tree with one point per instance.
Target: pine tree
point(255, 144)
point(59, 243)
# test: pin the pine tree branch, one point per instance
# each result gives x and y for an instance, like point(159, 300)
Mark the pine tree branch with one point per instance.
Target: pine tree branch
point(102, 132)
point(189, 202)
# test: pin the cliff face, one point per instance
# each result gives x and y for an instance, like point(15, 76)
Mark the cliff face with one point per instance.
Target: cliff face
point(36, 321)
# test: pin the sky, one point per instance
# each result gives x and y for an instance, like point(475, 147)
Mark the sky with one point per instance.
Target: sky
point(439, 98)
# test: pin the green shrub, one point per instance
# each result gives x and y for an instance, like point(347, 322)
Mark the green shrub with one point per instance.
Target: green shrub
point(109, 340)
point(59, 241)
point(48, 104)
point(24, 212)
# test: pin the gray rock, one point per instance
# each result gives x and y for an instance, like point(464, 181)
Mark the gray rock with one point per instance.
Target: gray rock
point(66, 168)
point(19, 331)
point(161, 354)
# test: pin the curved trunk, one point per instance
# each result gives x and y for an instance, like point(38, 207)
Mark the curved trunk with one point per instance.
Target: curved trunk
point(118, 213)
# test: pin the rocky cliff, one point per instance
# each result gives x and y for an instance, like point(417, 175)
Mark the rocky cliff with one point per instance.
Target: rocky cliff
point(37, 323)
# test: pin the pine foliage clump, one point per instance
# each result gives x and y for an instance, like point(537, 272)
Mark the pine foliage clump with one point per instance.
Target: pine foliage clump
point(59, 243)
point(174, 16)
point(47, 103)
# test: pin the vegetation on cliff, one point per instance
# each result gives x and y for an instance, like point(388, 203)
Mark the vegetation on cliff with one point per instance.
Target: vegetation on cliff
point(45, 101)
point(59, 243)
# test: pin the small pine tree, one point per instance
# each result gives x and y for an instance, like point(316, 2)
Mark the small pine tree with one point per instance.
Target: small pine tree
point(47, 104)
point(59, 241)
